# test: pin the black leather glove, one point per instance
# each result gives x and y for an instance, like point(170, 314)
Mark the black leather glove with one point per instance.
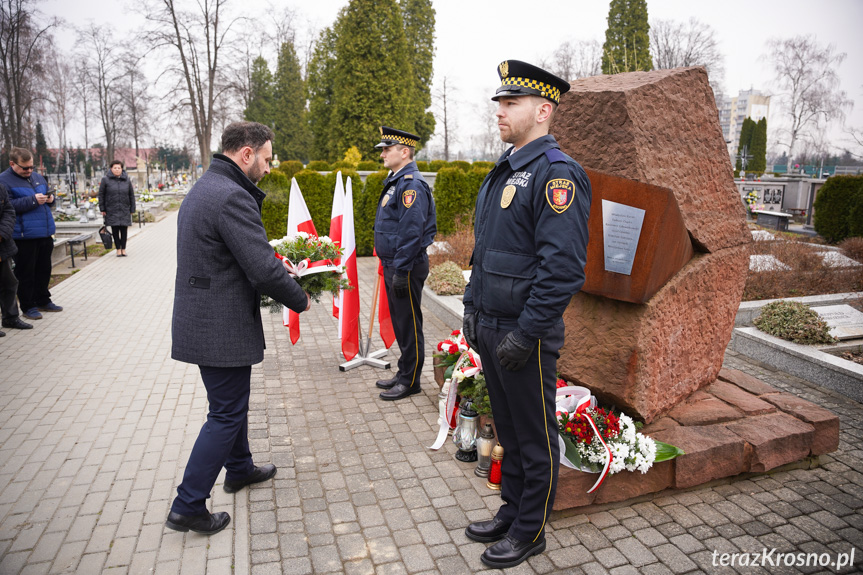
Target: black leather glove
point(468, 330)
point(514, 351)
point(401, 286)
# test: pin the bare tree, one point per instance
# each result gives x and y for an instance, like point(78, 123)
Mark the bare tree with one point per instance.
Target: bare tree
point(60, 99)
point(808, 84)
point(577, 59)
point(104, 71)
point(676, 44)
point(137, 98)
point(197, 36)
point(83, 100)
point(24, 39)
point(443, 99)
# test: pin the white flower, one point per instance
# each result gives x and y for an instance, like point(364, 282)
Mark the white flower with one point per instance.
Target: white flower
point(459, 376)
point(303, 235)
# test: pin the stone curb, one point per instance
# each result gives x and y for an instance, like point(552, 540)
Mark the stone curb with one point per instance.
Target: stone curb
point(807, 362)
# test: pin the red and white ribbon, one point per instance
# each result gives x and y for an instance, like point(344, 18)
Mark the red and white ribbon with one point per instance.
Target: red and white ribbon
point(307, 267)
point(469, 357)
point(582, 403)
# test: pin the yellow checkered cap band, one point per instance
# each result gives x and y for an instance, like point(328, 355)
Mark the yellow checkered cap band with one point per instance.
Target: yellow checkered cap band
point(401, 140)
point(544, 89)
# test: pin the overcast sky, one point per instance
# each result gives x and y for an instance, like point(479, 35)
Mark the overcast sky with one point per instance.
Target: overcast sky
point(473, 36)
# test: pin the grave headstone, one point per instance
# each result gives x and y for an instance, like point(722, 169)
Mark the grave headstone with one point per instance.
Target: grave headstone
point(845, 322)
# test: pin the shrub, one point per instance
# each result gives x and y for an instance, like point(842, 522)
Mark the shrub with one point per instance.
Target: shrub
point(318, 166)
point(793, 321)
point(368, 166)
point(274, 213)
point(455, 194)
point(290, 168)
point(487, 166)
point(342, 165)
point(459, 244)
point(275, 180)
point(446, 279)
point(365, 211)
point(436, 165)
point(839, 200)
point(352, 157)
point(853, 248)
point(460, 164)
point(423, 166)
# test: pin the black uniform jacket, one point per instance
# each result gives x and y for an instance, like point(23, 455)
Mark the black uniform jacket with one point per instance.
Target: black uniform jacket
point(406, 222)
point(531, 238)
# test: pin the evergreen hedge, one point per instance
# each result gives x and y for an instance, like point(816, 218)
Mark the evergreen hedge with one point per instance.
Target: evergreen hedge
point(423, 166)
point(487, 166)
point(291, 167)
point(318, 166)
point(365, 211)
point(460, 164)
point(839, 208)
point(275, 180)
point(369, 166)
point(436, 165)
point(342, 165)
point(455, 194)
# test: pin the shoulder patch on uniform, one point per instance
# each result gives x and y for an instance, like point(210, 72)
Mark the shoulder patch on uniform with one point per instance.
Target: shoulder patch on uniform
point(555, 155)
point(409, 176)
point(408, 197)
point(559, 194)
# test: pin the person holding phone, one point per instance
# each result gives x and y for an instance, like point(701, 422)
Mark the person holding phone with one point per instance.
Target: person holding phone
point(34, 228)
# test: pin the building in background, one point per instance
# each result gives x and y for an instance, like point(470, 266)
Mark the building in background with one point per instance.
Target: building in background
point(732, 111)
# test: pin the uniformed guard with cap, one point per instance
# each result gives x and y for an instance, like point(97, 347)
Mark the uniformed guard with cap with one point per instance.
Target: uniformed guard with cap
point(405, 225)
point(528, 261)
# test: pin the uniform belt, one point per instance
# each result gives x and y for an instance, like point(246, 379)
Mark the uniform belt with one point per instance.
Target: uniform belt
point(495, 322)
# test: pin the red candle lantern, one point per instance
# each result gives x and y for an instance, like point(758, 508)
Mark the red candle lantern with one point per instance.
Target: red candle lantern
point(494, 474)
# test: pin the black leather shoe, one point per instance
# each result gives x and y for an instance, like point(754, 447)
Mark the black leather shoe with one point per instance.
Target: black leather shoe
point(399, 391)
point(387, 383)
point(487, 531)
point(2, 334)
point(261, 473)
point(208, 524)
point(17, 324)
point(510, 552)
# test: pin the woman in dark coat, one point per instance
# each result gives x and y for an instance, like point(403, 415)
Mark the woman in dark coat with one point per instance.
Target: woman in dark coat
point(117, 204)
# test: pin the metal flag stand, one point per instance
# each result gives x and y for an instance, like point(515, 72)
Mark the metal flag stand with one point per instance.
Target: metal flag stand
point(364, 357)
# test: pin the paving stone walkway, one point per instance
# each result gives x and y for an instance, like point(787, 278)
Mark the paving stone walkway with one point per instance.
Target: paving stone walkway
point(96, 424)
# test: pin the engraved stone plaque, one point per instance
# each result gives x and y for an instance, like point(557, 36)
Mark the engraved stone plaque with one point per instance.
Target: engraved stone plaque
point(621, 228)
point(845, 322)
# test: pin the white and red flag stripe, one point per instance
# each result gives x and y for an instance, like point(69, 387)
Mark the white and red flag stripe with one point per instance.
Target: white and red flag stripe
point(336, 226)
point(349, 300)
point(299, 220)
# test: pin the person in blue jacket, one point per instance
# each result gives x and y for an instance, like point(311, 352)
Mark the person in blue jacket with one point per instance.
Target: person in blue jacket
point(34, 226)
point(405, 225)
point(528, 261)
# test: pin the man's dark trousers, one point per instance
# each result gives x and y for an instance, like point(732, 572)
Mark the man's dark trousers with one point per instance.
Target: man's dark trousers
point(33, 270)
point(523, 405)
point(8, 291)
point(223, 441)
point(407, 318)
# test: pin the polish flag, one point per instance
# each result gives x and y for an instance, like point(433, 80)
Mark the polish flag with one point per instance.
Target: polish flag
point(349, 300)
point(299, 220)
point(336, 226)
point(385, 322)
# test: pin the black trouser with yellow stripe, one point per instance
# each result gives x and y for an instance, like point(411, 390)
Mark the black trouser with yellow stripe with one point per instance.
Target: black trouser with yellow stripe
point(407, 317)
point(523, 407)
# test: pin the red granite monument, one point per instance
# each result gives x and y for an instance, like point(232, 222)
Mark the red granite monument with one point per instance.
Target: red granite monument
point(666, 265)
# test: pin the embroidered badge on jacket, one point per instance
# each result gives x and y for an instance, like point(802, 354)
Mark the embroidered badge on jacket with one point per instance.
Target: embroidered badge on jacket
point(408, 198)
point(559, 194)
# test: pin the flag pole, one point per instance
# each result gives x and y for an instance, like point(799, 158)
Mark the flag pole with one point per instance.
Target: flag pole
point(364, 357)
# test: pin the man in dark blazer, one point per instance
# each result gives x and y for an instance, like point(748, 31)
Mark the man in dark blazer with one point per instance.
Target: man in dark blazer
point(224, 263)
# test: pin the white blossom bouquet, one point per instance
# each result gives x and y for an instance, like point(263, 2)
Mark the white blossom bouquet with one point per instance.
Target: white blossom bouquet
point(619, 440)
